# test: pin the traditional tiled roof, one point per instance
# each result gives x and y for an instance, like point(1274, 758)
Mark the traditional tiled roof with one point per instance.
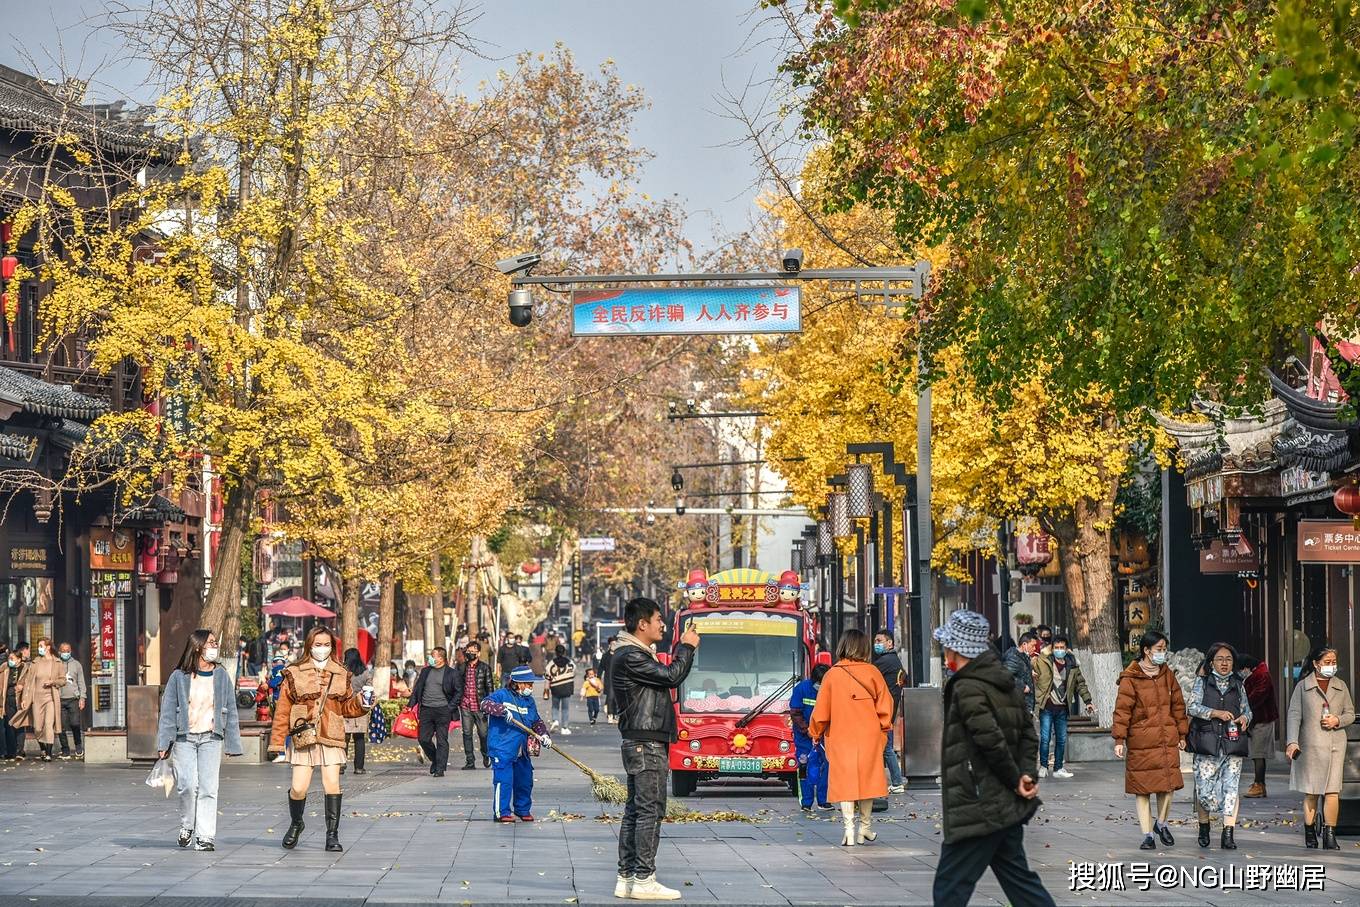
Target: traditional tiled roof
point(28, 104)
point(34, 395)
point(159, 509)
point(17, 447)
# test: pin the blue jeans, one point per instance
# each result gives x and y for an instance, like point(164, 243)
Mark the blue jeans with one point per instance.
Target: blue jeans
point(892, 763)
point(1052, 725)
point(197, 759)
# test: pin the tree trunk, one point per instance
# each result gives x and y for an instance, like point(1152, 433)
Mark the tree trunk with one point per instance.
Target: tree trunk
point(552, 583)
point(349, 604)
point(224, 594)
point(382, 657)
point(473, 617)
point(231, 630)
point(439, 637)
point(1088, 575)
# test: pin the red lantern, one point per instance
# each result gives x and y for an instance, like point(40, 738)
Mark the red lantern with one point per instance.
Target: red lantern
point(6, 228)
point(8, 265)
point(1347, 500)
point(529, 567)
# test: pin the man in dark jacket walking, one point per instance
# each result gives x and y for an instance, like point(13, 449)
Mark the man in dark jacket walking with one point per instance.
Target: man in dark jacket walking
point(889, 665)
point(640, 694)
point(475, 687)
point(435, 695)
point(1019, 660)
point(989, 791)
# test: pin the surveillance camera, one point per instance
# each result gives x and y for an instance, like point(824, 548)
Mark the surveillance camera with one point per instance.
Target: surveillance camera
point(793, 261)
point(518, 263)
point(521, 306)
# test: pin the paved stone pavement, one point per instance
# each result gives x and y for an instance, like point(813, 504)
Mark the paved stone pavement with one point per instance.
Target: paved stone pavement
point(71, 834)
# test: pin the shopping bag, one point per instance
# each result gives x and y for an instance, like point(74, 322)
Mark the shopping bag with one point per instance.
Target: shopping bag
point(377, 725)
point(162, 775)
point(407, 724)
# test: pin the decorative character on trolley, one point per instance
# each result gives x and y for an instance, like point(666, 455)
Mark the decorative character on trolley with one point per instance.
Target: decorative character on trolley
point(696, 587)
point(812, 765)
point(514, 734)
point(790, 587)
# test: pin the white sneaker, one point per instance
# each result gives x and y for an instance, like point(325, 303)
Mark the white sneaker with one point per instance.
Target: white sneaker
point(1043, 773)
point(898, 789)
point(281, 757)
point(623, 887)
point(649, 889)
point(566, 732)
point(1062, 773)
point(553, 727)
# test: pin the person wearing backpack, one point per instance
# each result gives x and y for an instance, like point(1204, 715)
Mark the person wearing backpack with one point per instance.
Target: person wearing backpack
point(988, 755)
point(561, 677)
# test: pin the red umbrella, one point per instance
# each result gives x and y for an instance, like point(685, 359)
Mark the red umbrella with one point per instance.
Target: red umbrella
point(296, 606)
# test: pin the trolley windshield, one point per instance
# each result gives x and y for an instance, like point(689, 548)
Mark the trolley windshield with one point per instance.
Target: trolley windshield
point(744, 657)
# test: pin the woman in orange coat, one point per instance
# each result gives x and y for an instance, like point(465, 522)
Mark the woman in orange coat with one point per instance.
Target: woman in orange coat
point(852, 717)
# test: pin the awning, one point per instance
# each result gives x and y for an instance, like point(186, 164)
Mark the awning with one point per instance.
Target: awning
point(296, 606)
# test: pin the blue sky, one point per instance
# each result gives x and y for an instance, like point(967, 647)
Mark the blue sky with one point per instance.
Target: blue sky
point(685, 56)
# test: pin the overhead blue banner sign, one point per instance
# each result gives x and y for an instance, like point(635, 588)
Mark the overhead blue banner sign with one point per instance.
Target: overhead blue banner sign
point(686, 310)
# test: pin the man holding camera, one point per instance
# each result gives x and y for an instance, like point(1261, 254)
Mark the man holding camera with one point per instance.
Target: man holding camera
point(640, 694)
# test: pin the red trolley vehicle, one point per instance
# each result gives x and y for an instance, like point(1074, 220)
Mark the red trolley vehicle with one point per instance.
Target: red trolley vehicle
point(733, 709)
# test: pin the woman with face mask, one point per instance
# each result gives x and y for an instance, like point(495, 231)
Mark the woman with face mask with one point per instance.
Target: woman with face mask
point(315, 698)
point(11, 691)
point(1320, 710)
point(198, 720)
point(40, 699)
point(1149, 731)
point(1220, 713)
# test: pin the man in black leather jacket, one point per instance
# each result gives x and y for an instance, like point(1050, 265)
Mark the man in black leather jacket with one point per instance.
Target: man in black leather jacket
point(640, 692)
point(476, 686)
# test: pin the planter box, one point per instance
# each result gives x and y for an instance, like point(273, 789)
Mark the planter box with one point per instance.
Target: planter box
point(106, 747)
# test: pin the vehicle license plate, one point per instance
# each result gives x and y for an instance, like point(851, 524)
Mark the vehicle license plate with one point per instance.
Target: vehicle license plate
point(739, 765)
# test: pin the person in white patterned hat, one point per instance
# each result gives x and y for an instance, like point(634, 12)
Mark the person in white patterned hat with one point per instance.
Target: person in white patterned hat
point(986, 771)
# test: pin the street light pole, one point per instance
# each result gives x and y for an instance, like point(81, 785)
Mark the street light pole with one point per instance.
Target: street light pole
point(925, 542)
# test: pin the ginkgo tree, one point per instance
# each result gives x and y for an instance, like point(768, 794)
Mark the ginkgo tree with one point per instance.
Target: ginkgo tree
point(850, 376)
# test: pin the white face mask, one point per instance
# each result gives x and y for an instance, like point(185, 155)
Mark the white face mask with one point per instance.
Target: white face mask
point(321, 653)
point(42, 650)
point(210, 654)
point(1327, 670)
point(1158, 658)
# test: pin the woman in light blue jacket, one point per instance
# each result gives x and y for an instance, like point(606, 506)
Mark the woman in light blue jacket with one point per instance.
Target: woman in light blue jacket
point(198, 717)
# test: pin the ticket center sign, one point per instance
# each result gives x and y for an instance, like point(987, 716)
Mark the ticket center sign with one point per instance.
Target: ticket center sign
point(686, 310)
point(1328, 542)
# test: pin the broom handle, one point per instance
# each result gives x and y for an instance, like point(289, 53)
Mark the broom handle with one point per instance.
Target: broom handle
point(582, 766)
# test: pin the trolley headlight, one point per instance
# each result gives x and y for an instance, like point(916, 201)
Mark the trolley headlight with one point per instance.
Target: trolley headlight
point(688, 762)
point(694, 746)
point(783, 746)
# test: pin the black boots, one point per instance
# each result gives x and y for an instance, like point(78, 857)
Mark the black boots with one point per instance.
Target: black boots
point(333, 823)
point(1204, 834)
point(1164, 832)
point(1329, 838)
point(1226, 840)
point(295, 807)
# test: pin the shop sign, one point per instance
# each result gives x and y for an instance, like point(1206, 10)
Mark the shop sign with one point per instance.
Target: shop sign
point(111, 549)
point(108, 629)
point(1204, 492)
point(1220, 558)
point(1296, 480)
point(29, 559)
point(1137, 613)
point(1328, 542)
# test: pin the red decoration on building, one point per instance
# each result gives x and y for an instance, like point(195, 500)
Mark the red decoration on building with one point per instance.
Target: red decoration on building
point(8, 265)
point(1347, 500)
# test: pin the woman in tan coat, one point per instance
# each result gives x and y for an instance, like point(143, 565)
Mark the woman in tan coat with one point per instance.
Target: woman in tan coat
point(1320, 710)
point(852, 717)
point(1149, 729)
point(40, 699)
point(315, 698)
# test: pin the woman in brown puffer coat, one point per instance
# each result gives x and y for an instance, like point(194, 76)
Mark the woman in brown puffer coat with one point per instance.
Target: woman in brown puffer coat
point(1149, 731)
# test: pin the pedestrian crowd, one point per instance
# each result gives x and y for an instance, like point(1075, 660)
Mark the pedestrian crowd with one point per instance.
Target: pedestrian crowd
point(1005, 728)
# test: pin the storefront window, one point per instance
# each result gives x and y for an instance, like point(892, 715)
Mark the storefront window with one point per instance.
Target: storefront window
point(26, 603)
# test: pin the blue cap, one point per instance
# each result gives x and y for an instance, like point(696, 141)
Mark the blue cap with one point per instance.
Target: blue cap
point(524, 674)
